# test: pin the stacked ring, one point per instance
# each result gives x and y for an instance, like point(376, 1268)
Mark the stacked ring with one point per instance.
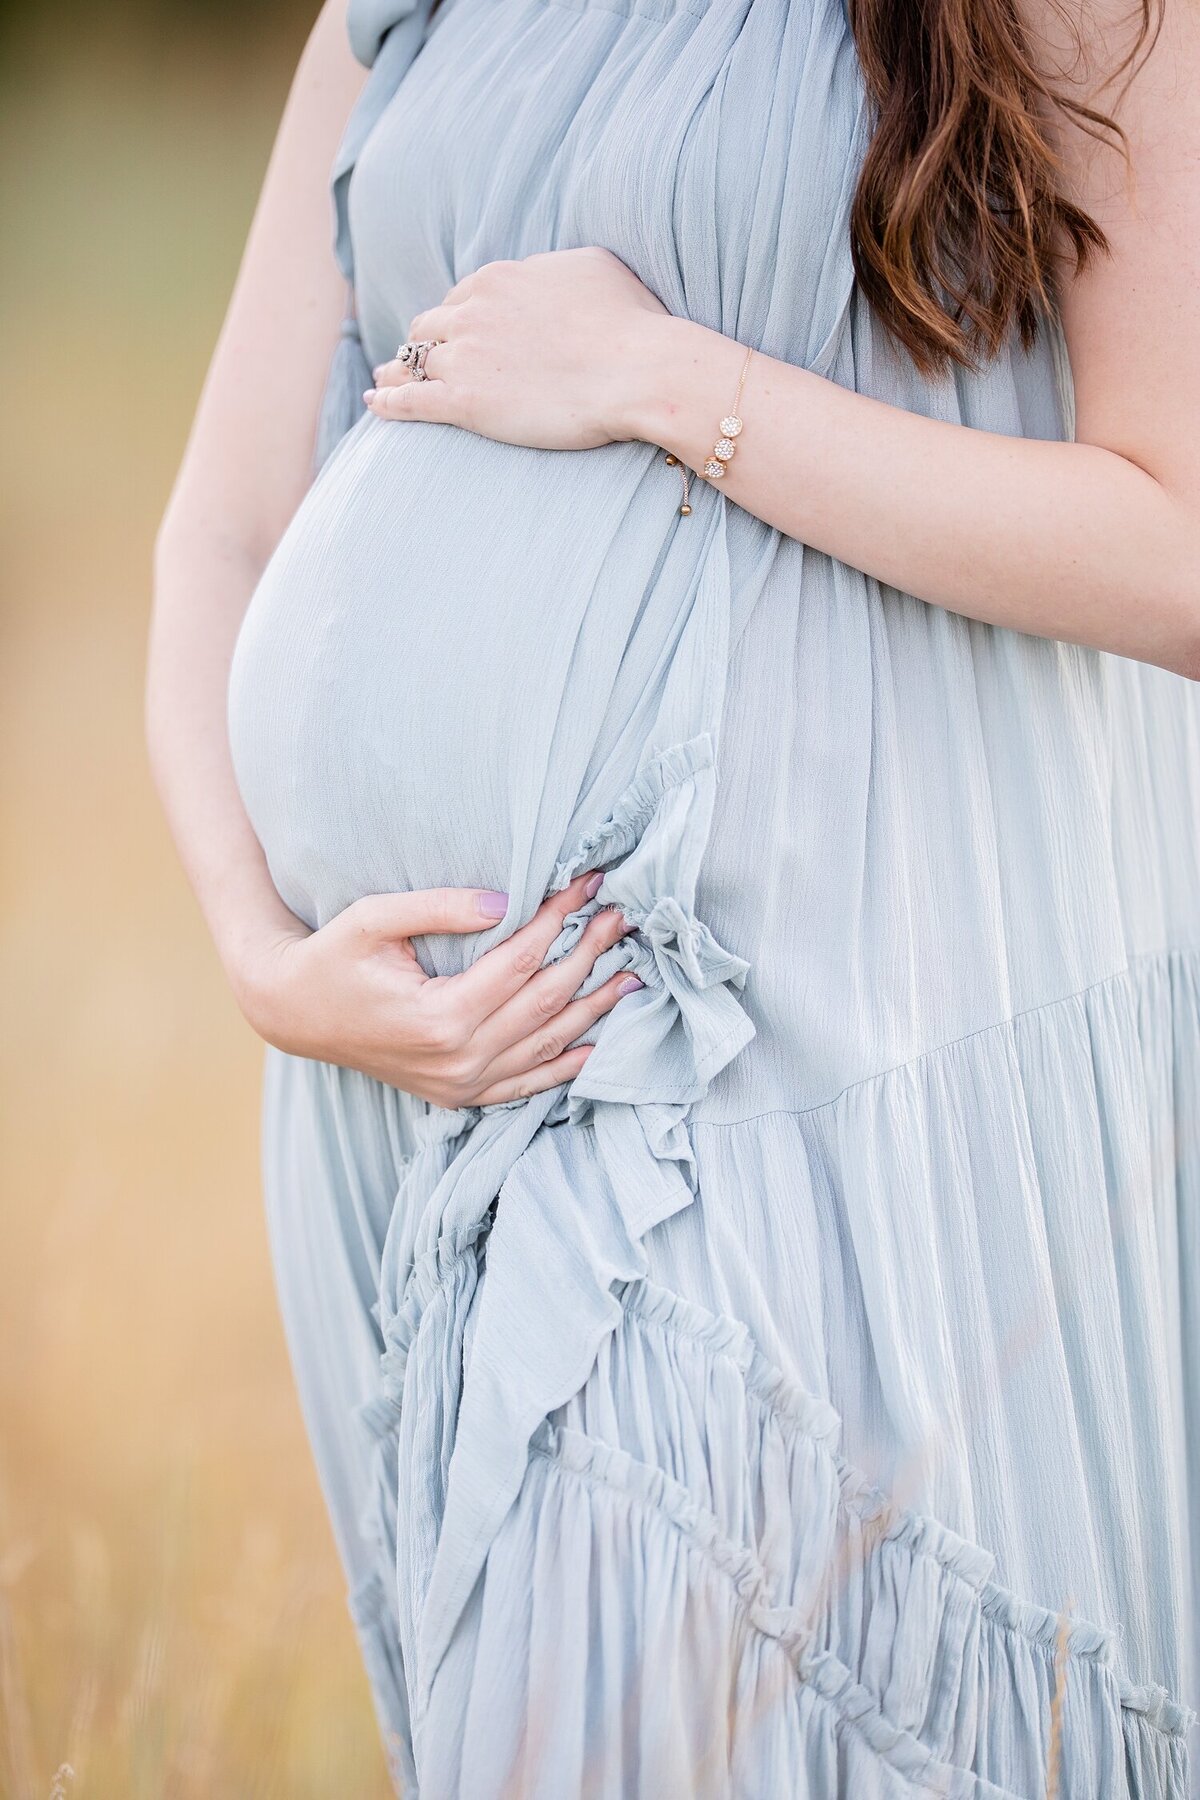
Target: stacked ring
point(413, 356)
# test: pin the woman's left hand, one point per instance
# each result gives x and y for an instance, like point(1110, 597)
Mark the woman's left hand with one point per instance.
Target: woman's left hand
point(546, 351)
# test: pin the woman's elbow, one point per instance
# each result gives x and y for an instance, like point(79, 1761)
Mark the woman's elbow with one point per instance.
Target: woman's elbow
point(1184, 609)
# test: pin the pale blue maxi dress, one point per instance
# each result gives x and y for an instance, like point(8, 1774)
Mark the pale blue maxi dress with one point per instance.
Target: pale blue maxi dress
point(806, 1402)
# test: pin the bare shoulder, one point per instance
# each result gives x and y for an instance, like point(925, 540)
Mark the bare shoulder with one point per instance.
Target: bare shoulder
point(1132, 318)
point(333, 22)
point(328, 61)
point(1137, 61)
point(249, 457)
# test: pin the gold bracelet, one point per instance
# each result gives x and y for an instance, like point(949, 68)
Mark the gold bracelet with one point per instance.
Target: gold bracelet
point(723, 449)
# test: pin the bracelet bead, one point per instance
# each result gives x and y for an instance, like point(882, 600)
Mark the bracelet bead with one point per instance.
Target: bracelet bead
point(723, 450)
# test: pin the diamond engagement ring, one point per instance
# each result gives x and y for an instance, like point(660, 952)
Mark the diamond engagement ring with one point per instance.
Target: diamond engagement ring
point(413, 355)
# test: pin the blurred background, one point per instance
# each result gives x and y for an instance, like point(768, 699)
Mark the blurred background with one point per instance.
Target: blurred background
point(172, 1615)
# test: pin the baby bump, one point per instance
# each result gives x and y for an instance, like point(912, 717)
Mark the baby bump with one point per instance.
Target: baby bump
point(423, 658)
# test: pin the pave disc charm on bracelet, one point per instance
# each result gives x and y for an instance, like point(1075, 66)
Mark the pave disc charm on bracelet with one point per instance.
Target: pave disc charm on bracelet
point(722, 450)
point(731, 429)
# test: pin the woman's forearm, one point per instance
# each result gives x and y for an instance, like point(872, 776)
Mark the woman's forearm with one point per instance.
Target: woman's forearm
point(202, 587)
point(1064, 540)
point(247, 466)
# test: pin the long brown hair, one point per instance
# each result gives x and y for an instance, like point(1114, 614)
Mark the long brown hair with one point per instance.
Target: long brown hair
point(961, 226)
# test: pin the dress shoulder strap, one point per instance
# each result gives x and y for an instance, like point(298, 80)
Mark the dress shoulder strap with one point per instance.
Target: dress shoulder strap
point(385, 36)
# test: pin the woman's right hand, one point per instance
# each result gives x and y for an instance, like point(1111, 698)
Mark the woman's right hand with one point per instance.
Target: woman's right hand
point(353, 993)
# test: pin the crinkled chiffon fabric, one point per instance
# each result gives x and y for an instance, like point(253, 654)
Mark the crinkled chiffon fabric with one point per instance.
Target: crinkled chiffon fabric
point(804, 1401)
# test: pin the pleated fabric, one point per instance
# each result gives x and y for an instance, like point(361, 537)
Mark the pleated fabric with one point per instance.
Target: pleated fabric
point(805, 1400)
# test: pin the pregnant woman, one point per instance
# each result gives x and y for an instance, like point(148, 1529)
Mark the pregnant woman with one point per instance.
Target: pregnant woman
point(701, 796)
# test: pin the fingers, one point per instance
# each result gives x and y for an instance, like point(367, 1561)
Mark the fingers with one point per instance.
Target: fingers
point(535, 1010)
point(536, 1081)
point(482, 278)
point(428, 399)
point(426, 910)
point(393, 373)
point(548, 1042)
point(503, 971)
point(463, 287)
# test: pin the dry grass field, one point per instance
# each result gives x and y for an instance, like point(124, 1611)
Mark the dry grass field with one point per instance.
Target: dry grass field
point(172, 1616)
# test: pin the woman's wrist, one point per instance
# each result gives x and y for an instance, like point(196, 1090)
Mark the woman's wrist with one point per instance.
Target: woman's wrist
point(250, 951)
point(681, 380)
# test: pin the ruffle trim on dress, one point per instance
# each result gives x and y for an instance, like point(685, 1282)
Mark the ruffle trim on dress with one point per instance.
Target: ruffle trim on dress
point(413, 1423)
point(852, 1704)
point(685, 1411)
point(894, 1621)
point(435, 1275)
point(663, 1046)
point(829, 1565)
point(617, 834)
point(613, 1597)
point(691, 1348)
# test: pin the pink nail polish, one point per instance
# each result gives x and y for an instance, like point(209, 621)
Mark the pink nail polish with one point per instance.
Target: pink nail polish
point(369, 396)
point(492, 905)
point(593, 886)
point(630, 985)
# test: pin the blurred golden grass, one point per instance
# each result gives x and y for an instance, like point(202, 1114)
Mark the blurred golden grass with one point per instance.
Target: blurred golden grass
point(172, 1615)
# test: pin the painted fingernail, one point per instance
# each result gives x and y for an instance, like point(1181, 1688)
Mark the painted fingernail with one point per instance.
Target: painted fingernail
point(630, 985)
point(593, 886)
point(491, 903)
point(369, 396)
